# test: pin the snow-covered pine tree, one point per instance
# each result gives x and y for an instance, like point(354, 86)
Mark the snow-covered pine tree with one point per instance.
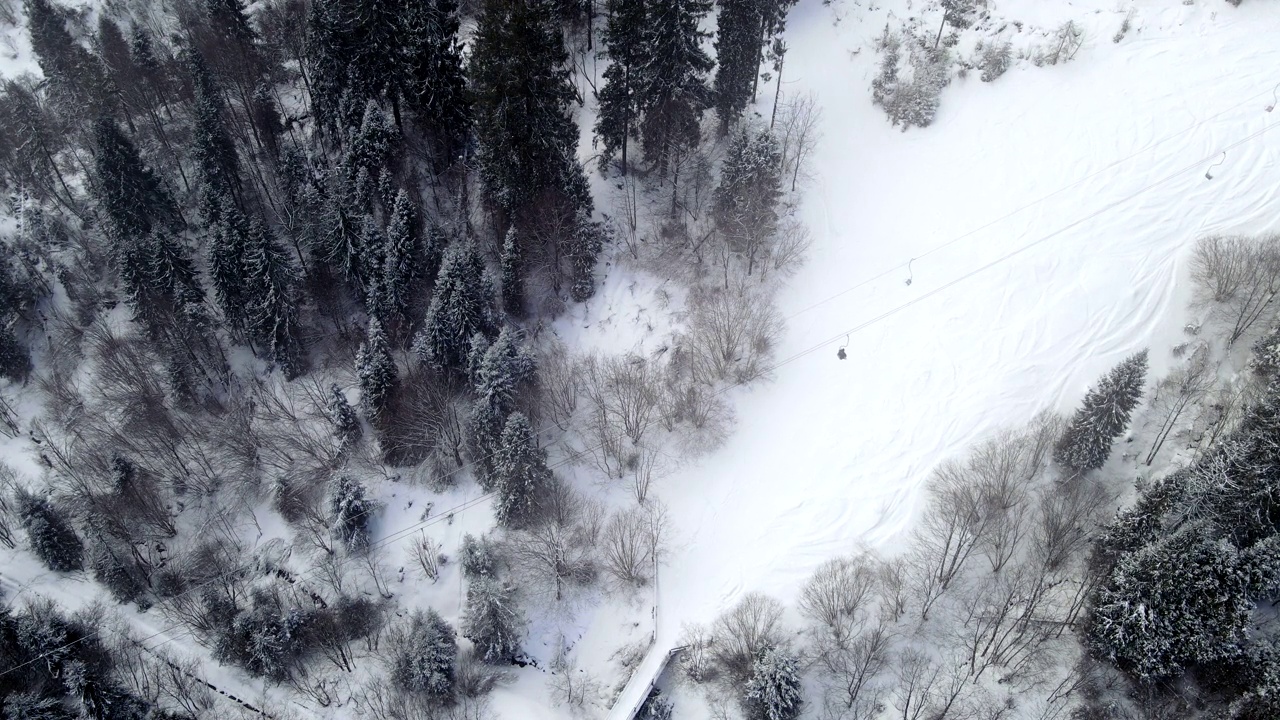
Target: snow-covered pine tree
point(424, 663)
point(370, 150)
point(673, 88)
point(496, 374)
point(432, 80)
point(113, 570)
point(624, 41)
point(376, 369)
point(1103, 416)
point(520, 472)
point(373, 244)
point(461, 306)
point(272, 311)
point(131, 194)
point(15, 361)
point(215, 152)
point(53, 539)
point(477, 557)
point(492, 620)
point(746, 201)
point(585, 245)
point(78, 79)
point(351, 509)
point(345, 423)
point(739, 34)
point(774, 691)
point(226, 244)
point(402, 263)
point(512, 274)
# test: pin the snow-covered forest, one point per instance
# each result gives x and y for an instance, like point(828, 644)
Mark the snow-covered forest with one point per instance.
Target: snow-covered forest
point(639, 359)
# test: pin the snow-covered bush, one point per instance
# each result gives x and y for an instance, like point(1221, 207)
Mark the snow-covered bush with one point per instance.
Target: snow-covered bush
point(478, 557)
point(53, 539)
point(910, 96)
point(423, 656)
point(773, 692)
point(996, 59)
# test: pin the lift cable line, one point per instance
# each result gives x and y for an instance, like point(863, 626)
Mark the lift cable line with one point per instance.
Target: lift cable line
point(398, 535)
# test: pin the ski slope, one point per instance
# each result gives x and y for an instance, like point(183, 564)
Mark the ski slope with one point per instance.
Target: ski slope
point(1050, 214)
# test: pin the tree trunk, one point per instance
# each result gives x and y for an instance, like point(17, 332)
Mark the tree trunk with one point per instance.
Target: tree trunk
point(941, 27)
point(777, 95)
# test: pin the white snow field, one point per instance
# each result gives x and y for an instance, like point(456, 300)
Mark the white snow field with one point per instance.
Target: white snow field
point(1050, 214)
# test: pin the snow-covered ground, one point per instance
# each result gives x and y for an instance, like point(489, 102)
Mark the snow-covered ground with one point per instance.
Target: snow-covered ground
point(1050, 214)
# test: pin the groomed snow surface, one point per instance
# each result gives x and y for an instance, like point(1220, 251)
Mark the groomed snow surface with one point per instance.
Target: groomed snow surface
point(1092, 172)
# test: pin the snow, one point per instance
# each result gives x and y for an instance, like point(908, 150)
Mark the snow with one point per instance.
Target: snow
point(1050, 214)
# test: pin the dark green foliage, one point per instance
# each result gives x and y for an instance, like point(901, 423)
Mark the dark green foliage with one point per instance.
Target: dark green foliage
point(376, 369)
point(215, 152)
point(431, 79)
point(76, 75)
point(100, 698)
point(739, 34)
point(461, 306)
point(32, 706)
point(15, 362)
point(585, 246)
point(1103, 417)
point(353, 53)
point(115, 570)
point(492, 620)
point(424, 659)
point(351, 512)
point(265, 639)
point(497, 373)
point(227, 243)
point(272, 311)
point(512, 275)
point(132, 196)
point(345, 423)
point(520, 472)
point(49, 530)
point(403, 265)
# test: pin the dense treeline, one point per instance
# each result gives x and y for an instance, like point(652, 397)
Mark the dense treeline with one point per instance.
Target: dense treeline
point(271, 256)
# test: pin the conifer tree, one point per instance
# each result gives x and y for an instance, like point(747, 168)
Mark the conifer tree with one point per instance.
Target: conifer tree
point(739, 34)
point(492, 620)
point(432, 79)
point(345, 423)
point(512, 275)
point(77, 77)
point(1103, 417)
point(461, 306)
point(52, 537)
point(215, 152)
point(425, 662)
point(624, 39)
point(528, 140)
point(351, 509)
point(272, 314)
point(354, 52)
point(227, 243)
point(774, 690)
point(373, 247)
point(497, 371)
point(674, 91)
point(746, 201)
point(132, 196)
point(376, 369)
point(520, 472)
point(585, 245)
point(402, 264)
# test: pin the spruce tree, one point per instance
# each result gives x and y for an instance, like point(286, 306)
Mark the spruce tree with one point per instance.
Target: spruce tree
point(497, 371)
point(132, 196)
point(345, 423)
point(351, 508)
point(739, 34)
point(1103, 417)
point(520, 472)
point(355, 50)
point(227, 243)
point(774, 690)
point(425, 662)
point(673, 88)
point(492, 620)
point(461, 306)
point(77, 77)
point(215, 152)
point(746, 201)
point(585, 244)
point(376, 369)
point(432, 80)
point(53, 539)
point(522, 90)
point(272, 313)
point(624, 39)
point(512, 275)
point(402, 264)
point(373, 244)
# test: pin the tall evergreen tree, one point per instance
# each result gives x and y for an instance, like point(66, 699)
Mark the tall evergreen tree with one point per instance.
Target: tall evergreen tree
point(345, 423)
point(425, 662)
point(461, 306)
point(624, 39)
point(432, 80)
point(403, 263)
point(497, 371)
point(77, 77)
point(53, 538)
point(376, 369)
point(746, 201)
point(215, 152)
point(1103, 417)
point(528, 140)
point(272, 314)
point(774, 690)
point(132, 195)
point(351, 508)
point(492, 620)
point(739, 34)
point(520, 472)
point(674, 91)
point(512, 275)
point(227, 242)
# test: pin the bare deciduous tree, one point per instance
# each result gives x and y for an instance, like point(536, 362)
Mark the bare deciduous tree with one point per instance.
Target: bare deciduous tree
point(837, 597)
point(557, 551)
point(917, 674)
point(742, 631)
point(1237, 278)
point(425, 552)
point(1181, 388)
point(798, 134)
point(559, 384)
point(731, 334)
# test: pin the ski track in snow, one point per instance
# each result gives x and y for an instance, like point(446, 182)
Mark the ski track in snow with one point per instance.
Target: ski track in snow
point(832, 455)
